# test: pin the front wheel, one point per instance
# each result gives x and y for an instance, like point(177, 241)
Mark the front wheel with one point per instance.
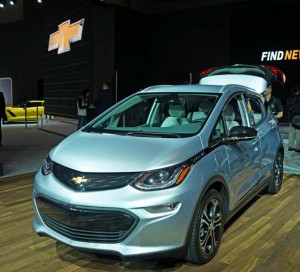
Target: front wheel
point(277, 174)
point(207, 229)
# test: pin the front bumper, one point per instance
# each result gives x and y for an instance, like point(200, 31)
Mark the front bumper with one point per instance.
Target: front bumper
point(151, 222)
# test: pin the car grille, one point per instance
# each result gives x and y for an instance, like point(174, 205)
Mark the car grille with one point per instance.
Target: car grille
point(84, 224)
point(80, 181)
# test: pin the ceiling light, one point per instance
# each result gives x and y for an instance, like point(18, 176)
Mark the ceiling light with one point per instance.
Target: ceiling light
point(40, 1)
point(2, 3)
point(13, 2)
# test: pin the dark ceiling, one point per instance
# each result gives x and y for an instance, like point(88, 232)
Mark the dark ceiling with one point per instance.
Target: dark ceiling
point(16, 13)
point(159, 6)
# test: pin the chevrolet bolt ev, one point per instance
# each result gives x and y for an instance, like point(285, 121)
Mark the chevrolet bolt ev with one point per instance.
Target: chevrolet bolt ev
point(163, 170)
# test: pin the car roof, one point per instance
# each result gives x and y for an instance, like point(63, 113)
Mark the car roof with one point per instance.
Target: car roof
point(197, 88)
point(183, 88)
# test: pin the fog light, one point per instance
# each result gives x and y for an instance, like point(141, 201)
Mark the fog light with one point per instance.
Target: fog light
point(169, 207)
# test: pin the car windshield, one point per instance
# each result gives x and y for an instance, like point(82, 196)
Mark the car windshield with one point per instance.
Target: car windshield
point(29, 104)
point(157, 115)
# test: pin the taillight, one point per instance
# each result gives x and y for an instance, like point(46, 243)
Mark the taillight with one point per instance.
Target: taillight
point(207, 71)
point(280, 76)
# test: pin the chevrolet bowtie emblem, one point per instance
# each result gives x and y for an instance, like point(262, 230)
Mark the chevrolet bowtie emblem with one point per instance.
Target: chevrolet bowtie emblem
point(65, 35)
point(79, 180)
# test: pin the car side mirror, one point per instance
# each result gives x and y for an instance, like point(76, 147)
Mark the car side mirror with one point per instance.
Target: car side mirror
point(241, 133)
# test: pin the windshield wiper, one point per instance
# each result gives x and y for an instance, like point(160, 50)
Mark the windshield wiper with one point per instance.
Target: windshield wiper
point(132, 133)
point(92, 129)
point(153, 134)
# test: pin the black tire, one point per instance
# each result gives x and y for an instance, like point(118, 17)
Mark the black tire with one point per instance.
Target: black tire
point(277, 174)
point(207, 229)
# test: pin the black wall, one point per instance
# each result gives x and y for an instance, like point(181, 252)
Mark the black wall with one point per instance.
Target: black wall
point(259, 28)
point(21, 53)
point(167, 48)
point(137, 50)
point(67, 74)
point(103, 46)
point(190, 41)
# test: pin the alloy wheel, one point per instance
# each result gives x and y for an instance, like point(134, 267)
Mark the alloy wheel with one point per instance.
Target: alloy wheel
point(210, 227)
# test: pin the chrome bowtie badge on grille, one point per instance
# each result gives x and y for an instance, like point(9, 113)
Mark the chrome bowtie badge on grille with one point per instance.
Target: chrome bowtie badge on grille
point(79, 180)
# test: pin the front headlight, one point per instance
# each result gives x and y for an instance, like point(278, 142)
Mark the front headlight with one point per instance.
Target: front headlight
point(47, 166)
point(161, 178)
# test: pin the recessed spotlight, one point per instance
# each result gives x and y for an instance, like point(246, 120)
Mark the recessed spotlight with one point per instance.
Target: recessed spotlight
point(13, 2)
point(2, 3)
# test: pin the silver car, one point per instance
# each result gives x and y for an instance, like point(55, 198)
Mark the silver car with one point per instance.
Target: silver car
point(163, 170)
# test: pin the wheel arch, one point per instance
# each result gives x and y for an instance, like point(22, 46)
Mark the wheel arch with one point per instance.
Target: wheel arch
point(219, 184)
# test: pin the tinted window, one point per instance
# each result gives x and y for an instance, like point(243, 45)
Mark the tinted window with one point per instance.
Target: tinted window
point(255, 110)
point(234, 113)
point(218, 132)
point(33, 104)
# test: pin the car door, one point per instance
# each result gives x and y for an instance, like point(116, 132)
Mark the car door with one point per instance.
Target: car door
point(31, 110)
point(18, 112)
point(243, 157)
point(266, 125)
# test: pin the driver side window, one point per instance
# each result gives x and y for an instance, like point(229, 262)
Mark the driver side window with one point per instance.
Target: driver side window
point(232, 114)
point(218, 132)
point(255, 110)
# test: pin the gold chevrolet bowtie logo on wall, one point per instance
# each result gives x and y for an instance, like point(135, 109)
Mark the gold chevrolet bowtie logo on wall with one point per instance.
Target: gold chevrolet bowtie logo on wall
point(79, 180)
point(65, 35)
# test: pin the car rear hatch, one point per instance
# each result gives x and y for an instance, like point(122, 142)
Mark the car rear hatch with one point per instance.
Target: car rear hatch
point(257, 77)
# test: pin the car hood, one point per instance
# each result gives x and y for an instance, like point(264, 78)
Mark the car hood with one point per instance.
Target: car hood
point(91, 152)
